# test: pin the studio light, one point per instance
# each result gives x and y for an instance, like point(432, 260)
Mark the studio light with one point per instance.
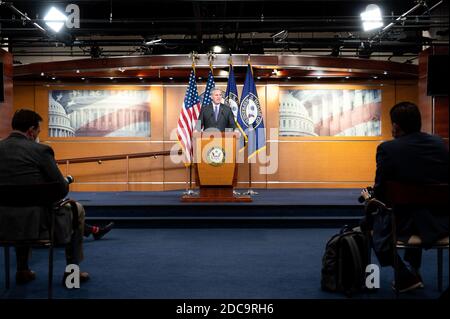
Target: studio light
point(371, 18)
point(55, 19)
point(217, 49)
point(153, 41)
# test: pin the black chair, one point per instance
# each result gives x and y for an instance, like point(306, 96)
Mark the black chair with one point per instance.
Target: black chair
point(431, 196)
point(46, 195)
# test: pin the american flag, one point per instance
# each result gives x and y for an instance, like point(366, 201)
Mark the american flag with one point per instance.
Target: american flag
point(209, 85)
point(188, 117)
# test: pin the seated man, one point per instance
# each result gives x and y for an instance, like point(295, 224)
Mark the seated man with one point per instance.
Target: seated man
point(411, 157)
point(24, 161)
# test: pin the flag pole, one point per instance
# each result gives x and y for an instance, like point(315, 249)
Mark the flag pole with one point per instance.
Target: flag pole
point(250, 191)
point(190, 191)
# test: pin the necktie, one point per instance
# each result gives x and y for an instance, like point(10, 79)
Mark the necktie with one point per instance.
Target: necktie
point(216, 111)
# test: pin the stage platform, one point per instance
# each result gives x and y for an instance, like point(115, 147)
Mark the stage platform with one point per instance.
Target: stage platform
point(283, 207)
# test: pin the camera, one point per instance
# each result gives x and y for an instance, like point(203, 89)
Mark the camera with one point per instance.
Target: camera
point(69, 179)
point(371, 194)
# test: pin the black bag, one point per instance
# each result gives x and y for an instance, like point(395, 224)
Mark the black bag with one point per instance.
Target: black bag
point(344, 262)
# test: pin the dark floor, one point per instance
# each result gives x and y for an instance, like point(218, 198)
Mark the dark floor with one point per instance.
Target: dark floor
point(206, 263)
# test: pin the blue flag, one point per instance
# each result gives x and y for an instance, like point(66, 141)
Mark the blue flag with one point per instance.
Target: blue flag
point(209, 85)
point(250, 117)
point(231, 95)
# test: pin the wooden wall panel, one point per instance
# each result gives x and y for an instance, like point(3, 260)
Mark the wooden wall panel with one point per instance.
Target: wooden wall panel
point(441, 116)
point(6, 107)
point(337, 162)
point(301, 161)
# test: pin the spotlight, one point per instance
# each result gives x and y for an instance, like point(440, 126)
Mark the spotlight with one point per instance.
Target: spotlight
point(217, 49)
point(371, 18)
point(364, 51)
point(55, 19)
point(153, 41)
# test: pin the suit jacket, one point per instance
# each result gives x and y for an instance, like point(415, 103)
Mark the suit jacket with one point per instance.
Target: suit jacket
point(206, 118)
point(416, 158)
point(27, 162)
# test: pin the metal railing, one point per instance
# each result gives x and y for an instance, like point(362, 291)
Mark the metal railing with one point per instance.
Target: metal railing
point(127, 157)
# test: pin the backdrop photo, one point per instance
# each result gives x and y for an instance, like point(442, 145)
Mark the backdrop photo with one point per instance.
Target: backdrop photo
point(330, 112)
point(99, 113)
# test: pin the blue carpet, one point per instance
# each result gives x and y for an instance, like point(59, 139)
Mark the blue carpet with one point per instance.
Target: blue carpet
point(195, 263)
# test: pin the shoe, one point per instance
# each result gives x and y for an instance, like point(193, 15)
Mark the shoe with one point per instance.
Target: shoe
point(84, 276)
point(103, 231)
point(417, 273)
point(25, 276)
point(408, 283)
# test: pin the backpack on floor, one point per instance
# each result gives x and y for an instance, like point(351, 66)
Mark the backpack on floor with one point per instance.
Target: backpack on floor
point(344, 262)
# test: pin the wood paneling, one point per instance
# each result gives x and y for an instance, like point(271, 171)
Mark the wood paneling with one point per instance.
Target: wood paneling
point(294, 162)
point(6, 107)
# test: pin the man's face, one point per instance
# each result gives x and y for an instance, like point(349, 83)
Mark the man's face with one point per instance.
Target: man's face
point(217, 96)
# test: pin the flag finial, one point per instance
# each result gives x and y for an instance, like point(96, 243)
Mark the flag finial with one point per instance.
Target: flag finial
point(194, 57)
point(211, 57)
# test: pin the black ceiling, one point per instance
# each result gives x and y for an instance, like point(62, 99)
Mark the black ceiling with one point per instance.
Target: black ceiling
point(241, 26)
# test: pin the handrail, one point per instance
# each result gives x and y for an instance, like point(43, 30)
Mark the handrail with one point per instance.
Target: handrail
point(99, 159)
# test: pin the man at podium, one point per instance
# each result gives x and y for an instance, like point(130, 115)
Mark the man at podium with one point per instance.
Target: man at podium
point(216, 115)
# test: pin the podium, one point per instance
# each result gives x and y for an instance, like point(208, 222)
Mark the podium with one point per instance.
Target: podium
point(215, 168)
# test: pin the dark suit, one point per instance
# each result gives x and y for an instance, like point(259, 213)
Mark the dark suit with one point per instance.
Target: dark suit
point(415, 158)
point(26, 162)
point(225, 118)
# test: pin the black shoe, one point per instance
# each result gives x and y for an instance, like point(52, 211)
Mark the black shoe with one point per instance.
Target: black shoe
point(417, 273)
point(25, 276)
point(103, 231)
point(407, 283)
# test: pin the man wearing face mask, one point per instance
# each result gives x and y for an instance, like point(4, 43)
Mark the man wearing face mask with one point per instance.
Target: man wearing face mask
point(23, 162)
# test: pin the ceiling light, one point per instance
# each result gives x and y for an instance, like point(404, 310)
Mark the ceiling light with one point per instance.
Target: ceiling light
point(347, 77)
point(371, 18)
point(78, 71)
point(111, 78)
point(82, 78)
point(55, 19)
point(217, 49)
point(153, 41)
point(319, 77)
point(53, 78)
point(42, 74)
point(385, 72)
point(171, 78)
point(141, 78)
point(288, 77)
